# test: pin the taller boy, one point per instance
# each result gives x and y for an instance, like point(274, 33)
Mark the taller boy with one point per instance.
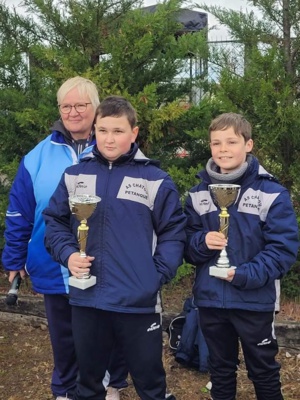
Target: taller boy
point(262, 244)
point(135, 245)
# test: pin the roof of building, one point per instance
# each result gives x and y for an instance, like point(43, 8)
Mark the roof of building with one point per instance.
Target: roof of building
point(193, 21)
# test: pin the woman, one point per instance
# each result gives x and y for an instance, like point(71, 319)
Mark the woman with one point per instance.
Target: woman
point(71, 139)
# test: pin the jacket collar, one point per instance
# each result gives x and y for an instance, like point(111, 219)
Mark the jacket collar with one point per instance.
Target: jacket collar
point(134, 155)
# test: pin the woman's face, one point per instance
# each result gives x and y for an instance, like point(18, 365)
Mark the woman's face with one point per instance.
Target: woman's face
point(79, 124)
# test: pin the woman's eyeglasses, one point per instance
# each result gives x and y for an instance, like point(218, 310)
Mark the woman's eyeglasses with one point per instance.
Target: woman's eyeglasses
point(67, 108)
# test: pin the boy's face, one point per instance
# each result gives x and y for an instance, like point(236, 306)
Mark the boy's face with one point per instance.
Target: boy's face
point(114, 136)
point(228, 149)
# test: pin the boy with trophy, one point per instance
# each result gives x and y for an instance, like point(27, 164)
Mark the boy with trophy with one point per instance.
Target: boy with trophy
point(242, 236)
point(129, 214)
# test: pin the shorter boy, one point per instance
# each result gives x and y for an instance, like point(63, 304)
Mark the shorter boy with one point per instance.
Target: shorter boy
point(262, 244)
point(135, 245)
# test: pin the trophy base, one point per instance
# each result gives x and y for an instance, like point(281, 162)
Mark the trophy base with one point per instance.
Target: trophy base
point(82, 283)
point(219, 272)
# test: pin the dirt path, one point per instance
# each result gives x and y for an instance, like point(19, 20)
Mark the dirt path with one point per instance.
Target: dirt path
point(26, 362)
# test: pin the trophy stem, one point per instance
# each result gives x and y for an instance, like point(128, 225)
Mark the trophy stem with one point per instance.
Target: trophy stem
point(82, 238)
point(224, 221)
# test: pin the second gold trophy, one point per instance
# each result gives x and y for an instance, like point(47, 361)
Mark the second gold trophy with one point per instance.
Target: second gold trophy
point(223, 195)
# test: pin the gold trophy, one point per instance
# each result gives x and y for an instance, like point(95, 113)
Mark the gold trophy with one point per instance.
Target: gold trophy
point(83, 206)
point(223, 195)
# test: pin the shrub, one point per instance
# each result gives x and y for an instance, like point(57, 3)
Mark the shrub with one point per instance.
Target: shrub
point(290, 286)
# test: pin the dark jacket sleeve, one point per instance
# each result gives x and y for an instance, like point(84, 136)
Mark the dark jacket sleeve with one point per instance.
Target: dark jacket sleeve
point(169, 223)
point(60, 240)
point(19, 220)
point(280, 233)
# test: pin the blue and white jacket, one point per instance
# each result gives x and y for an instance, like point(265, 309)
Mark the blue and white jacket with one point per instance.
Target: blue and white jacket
point(136, 232)
point(37, 178)
point(262, 241)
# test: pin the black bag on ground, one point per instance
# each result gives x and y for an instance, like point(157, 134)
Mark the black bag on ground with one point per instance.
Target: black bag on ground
point(175, 331)
point(186, 339)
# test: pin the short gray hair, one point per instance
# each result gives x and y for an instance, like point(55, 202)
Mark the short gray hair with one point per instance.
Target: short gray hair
point(84, 86)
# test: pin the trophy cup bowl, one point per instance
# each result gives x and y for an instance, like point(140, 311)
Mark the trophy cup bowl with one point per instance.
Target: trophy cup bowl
point(223, 195)
point(83, 206)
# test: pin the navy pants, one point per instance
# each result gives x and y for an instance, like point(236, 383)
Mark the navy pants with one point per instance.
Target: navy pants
point(59, 316)
point(140, 338)
point(117, 369)
point(223, 330)
point(65, 371)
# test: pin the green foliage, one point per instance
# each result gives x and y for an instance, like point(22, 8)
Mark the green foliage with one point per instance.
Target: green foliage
point(290, 286)
point(146, 42)
point(184, 179)
point(188, 132)
point(204, 390)
point(183, 271)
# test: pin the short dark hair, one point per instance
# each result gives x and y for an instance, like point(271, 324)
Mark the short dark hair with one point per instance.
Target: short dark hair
point(241, 126)
point(117, 106)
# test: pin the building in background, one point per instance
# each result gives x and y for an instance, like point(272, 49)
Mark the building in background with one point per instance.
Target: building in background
point(195, 68)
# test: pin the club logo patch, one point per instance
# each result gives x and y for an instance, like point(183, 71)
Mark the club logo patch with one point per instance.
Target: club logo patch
point(139, 190)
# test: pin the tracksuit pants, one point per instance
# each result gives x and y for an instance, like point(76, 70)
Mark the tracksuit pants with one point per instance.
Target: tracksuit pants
point(59, 316)
point(65, 370)
point(223, 329)
point(117, 369)
point(140, 338)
